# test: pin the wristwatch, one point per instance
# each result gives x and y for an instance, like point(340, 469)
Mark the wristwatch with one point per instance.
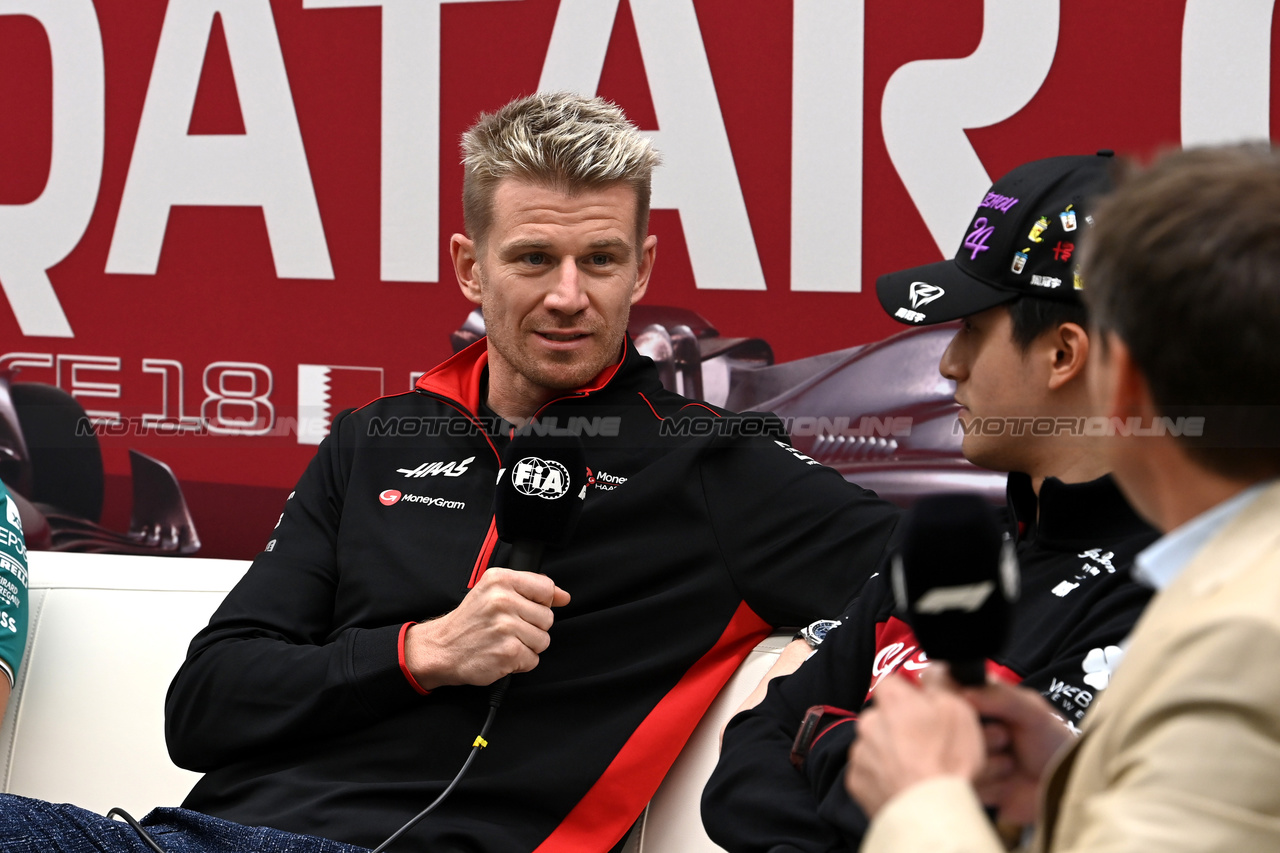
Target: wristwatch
point(818, 720)
point(816, 632)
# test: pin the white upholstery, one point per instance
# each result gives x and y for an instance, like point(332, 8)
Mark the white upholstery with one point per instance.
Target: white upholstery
point(673, 823)
point(85, 723)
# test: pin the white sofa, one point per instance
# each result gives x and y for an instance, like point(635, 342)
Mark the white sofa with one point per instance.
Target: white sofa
point(85, 723)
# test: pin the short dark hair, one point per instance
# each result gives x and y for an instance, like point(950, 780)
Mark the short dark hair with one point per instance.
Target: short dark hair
point(1184, 267)
point(1033, 317)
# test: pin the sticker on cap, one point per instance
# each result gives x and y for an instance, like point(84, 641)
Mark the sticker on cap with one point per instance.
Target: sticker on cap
point(1036, 230)
point(1020, 260)
point(1068, 218)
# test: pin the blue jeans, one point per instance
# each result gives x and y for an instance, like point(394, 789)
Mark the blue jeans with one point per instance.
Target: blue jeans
point(34, 826)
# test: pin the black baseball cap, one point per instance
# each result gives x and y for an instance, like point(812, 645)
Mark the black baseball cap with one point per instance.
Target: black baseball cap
point(1023, 241)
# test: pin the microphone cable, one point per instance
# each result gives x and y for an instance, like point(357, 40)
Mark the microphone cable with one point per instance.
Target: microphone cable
point(537, 501)
point(495, 699)
point(137, 827)
point(496, 696)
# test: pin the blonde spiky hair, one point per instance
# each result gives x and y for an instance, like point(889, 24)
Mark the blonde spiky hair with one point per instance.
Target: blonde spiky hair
point(560, 139)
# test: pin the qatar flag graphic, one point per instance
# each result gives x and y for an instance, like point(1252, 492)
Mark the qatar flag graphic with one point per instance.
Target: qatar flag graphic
point(326, 389)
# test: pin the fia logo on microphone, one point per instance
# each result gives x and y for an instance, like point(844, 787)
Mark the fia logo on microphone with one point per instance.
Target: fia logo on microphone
point(544, 478)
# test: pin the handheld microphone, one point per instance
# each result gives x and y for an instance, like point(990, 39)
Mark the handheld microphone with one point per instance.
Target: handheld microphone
point(955, 577)
point(541, 489)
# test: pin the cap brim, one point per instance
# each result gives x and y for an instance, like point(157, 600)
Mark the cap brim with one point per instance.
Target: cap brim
point(936, 293)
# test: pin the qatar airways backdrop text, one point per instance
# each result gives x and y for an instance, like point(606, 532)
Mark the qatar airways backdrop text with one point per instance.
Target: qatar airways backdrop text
point(216, 212)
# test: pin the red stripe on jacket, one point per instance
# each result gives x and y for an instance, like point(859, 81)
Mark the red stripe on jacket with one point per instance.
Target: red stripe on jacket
point(613, 803)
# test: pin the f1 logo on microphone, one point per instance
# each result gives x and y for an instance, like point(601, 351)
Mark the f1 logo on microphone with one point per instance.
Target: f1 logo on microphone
point(389, 497)
point(967, 598)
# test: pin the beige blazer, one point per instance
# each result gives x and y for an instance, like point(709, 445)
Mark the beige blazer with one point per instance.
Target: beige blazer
point(1182, 751)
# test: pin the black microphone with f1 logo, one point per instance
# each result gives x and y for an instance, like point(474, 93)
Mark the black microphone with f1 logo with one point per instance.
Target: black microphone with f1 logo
point(955, 578)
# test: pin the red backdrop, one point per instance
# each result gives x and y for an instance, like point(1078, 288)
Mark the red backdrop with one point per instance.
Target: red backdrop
point(1115, 79)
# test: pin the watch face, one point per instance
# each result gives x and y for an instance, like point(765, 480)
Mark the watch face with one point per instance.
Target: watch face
point(817, 632)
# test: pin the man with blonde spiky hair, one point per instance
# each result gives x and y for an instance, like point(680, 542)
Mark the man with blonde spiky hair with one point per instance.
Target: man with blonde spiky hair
point(689, 547)
point(559, 140)
point(558, 177)
point(339, 688)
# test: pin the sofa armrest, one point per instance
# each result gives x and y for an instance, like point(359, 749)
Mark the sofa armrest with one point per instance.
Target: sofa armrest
point(85, 723)
point(673, 821)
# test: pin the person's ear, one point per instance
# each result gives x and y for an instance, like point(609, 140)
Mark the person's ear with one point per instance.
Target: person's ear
point(1122, 391)
point(1069, 353)
point(466, 267)
point(648, 252)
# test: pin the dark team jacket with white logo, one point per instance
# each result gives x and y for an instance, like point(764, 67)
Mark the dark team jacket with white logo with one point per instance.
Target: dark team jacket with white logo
point(691, 544)
point(1078, 603)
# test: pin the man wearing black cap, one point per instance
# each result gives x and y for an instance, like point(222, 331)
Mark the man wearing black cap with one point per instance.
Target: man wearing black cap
point(1182, 752)
point(1018, 361)
point(1020, 352)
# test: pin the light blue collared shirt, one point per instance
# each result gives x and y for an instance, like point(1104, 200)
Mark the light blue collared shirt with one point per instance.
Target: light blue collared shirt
point(1161, 563)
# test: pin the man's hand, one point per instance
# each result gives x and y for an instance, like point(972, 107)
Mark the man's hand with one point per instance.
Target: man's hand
point(1022, 735)
point(911, 734)
point(499, 628)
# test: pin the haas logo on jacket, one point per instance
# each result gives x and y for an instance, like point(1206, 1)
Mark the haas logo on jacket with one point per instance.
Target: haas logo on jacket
point(431, 469)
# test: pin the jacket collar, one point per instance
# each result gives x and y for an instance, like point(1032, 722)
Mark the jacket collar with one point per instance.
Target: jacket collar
point(1072, 513)
point(460, 378)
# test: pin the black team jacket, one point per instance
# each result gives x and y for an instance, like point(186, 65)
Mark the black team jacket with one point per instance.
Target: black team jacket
point(1078, 603)
point(698, 534)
